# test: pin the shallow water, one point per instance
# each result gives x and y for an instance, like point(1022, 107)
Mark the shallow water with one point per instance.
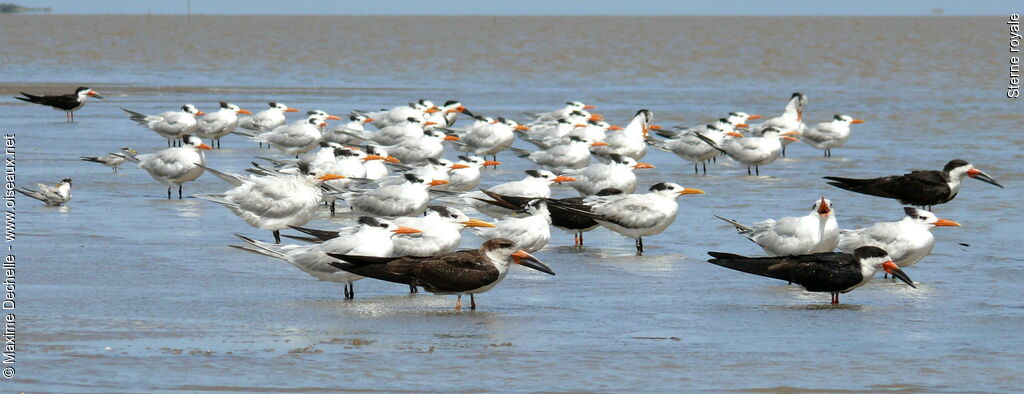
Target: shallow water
point(124, 290)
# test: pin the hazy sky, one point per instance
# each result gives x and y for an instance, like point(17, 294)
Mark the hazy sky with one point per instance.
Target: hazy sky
point(534, 7)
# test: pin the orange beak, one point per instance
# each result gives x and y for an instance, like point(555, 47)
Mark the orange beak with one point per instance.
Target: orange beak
point(491, 163)
point(823, 208)
point(945, 223)
point(654, 127)
point(589, 107)
point(330, 177)
point(374, 157)
point(560, 179)
point(579, 125)
point(459, 166)
point(333, 117)
point(451, 138)
point(322, 124)
point(204, 147)
point(642, 165)
point(734, 134)
point(94, 94)
point(742, 125)
point(292, 110)
point(614, 127)
point(392, 159)
point(460, 109)
point(244, 112)
point(857, 121)
point(596, 117)
point(753, 117)
point(429, 123)
point(431, 110)
point(522, 127)
point(477, 223)
point(599, 143)
point(438, 182)
point(687, 190)
point(790, 138)
point(368, 120)
point(406, 230)
point(200, 113)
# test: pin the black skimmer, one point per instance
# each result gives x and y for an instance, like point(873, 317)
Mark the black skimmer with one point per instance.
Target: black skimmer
point(463, 272)
point(112, 160)
point(921, 188)
point(52, 196)
point(68, 103)
point(830, 272)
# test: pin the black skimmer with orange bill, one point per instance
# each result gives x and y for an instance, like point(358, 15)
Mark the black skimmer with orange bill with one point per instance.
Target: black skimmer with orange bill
point(462, 272)
point(561, 211)
point(830, 272)
point(68, 103)
point(921, 188)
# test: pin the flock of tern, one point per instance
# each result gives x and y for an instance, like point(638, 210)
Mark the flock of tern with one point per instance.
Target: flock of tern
point(389, 167)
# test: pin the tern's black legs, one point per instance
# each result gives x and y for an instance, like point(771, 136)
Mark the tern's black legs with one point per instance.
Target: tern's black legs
point(757, 170)
point(705, 165)
point(168, 192)
point(640, 246)
point(350, 291)
point(748, 171)
point(332, 207)
point(413, 289)
point(179, 191)
point(277, 236)
point(472, 302)
point(783, 151)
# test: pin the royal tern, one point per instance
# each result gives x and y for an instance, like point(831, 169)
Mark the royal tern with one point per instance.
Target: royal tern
point(923, 188)
point(338, 134)
point(69, 103)
point(374, 163)
point(907, 241)
point(616, 174)
point(463, 272)
point(400, 113)
point(297, 137)
point(111, 160)
point(489, 138)
point(570, 106)
point(215, 125)
point(442, 231)
point(816, 232)
point(690, 146)
point(370, 237)
point(828, 135)
point(450, 110)
point(630, 140)
point(636, 215)
point(416, 151)
point(174, 166)
point(273, 202)
point(830, 272)
point(407, 198)
point(412, 127)
point(267, 119)
point(752, 151)
point(52, 196)
point(562, 211)
point(790, 121)
point(171, 125)
point(573, 155)
point(536, 184)
point(530, 233)
point(465, 175)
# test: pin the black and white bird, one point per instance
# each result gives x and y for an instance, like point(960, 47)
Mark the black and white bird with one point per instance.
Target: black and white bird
point(562, 211)
point(832, 134)
point(831, 272)
point(922, 188)
point(636, 215)
point(464, 272)
point(907, 241)
point(52, 196)
point(815, 232)
point(69, 103)
point(112, 160)
point(171, 125)
point(536, 184)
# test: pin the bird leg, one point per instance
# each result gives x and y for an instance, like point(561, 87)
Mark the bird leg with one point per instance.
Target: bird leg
point(640, 246)
point(705, 164)
point(458, 303)
point(695, 168)
point(412, 289)
point(277, 236)
point(332, 208)
point(783, 151)
point(168, 192)
point(835, 298)
point(472, 302)
point(748, 171)
point(179, 191)
point(757, 170)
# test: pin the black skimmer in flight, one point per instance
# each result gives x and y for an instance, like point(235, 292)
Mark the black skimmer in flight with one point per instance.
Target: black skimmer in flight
point(68, 103)
point(830, 272)
point(921, 188)
point(463, 272)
